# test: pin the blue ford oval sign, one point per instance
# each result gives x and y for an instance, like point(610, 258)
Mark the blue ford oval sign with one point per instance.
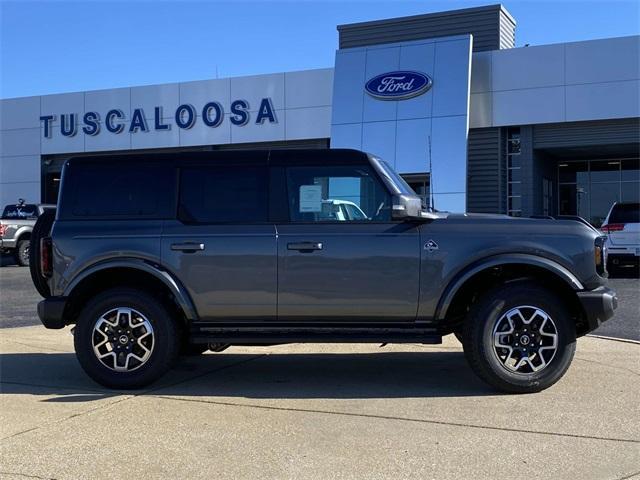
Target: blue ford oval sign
point(398, 85)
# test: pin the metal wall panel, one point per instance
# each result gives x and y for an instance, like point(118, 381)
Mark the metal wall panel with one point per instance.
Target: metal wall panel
point(486, 175)
point(404, 131)
point(300, 101)
point(492, 28)
point(314, 143)
point(18, 113)
point(565, 82)
point(507, 30)
point(530, 185)
point(603, 100)
point(548, 68)
point(606, 60)
point(581, 134)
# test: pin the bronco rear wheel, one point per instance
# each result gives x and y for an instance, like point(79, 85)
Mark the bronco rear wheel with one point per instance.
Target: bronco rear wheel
point(125, 339)
point(519, 338)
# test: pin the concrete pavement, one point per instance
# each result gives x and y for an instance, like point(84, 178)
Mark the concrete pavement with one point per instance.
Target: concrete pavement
point(315, 411)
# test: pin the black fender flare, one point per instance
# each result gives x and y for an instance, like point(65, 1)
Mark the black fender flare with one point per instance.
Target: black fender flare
point(497, 260)
point(177, 289)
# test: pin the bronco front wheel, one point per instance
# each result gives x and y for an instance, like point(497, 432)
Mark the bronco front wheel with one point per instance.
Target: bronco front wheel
point(519, 338)
point(125, 339)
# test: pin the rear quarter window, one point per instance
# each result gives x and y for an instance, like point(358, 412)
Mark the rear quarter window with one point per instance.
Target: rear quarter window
point(118, 191)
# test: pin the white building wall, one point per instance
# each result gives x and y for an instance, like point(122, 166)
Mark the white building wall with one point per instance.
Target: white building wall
point(567, 82)
point(301, 102)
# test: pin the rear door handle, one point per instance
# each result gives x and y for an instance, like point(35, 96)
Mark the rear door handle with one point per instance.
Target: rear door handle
point(305, 246)
point(187, 247)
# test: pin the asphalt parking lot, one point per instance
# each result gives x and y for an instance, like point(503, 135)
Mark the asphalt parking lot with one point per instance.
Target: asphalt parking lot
point(313, 411)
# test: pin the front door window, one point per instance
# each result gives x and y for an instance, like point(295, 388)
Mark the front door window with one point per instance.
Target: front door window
point(336, 194)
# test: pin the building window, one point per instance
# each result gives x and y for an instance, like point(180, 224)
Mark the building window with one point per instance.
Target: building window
point(589, 188)
point(420, 183)
point(514, 181)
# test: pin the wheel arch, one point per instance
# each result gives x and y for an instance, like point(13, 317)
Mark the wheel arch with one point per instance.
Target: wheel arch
point(134, 273)
point(23, 234)
point(489, 272)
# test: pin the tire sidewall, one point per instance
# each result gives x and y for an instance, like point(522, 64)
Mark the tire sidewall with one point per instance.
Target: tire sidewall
point(20, 252)
point(496, 305)
point(165, 339)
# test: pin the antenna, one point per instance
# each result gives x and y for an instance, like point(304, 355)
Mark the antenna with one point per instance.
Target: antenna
point(431, 198)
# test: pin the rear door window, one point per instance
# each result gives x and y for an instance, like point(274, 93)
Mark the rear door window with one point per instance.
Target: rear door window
point(215, 194)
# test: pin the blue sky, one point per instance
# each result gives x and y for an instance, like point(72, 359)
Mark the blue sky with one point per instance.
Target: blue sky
point(61, 46)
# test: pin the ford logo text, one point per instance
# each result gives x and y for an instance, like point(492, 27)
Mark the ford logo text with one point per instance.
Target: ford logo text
point(398, 85)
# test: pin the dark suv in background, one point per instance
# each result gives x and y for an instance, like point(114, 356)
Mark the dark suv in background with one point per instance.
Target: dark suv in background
point(151, 255)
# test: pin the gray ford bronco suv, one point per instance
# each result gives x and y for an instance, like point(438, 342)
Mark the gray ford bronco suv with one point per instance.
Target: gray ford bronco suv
point(155, 255)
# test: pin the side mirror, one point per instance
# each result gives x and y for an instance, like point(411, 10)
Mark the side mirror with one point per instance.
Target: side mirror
point(406, 207)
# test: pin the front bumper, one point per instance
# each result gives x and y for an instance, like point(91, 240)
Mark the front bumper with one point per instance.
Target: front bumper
point(598, 305)
point(51, 310)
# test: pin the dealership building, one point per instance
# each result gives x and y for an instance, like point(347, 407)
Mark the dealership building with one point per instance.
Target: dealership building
point(472, 122)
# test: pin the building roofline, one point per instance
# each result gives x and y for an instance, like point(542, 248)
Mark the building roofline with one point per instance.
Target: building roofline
point(498, 7)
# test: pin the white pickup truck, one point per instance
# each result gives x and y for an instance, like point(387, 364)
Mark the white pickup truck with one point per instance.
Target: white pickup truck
point(16, 224)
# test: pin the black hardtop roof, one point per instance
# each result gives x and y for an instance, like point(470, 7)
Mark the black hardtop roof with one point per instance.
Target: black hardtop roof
point(335, 156)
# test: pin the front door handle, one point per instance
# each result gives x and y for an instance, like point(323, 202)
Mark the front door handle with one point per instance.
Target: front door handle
point(187, 247)
point(305, 246)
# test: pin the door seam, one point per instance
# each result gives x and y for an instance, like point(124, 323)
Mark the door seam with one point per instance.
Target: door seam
point(275, 227)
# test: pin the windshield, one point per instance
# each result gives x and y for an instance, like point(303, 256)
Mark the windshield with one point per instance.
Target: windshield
point(20, 211)
point(392, 176)
point(354, 212)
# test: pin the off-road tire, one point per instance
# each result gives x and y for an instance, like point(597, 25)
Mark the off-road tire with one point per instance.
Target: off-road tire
point(166, 338)
point(41, 229)
point(21, 253)
point(478, 337)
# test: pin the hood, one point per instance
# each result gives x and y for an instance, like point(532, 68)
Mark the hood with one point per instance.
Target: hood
point(518, 222)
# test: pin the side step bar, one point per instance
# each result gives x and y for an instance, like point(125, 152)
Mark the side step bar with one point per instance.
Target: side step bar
point(313, 335)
